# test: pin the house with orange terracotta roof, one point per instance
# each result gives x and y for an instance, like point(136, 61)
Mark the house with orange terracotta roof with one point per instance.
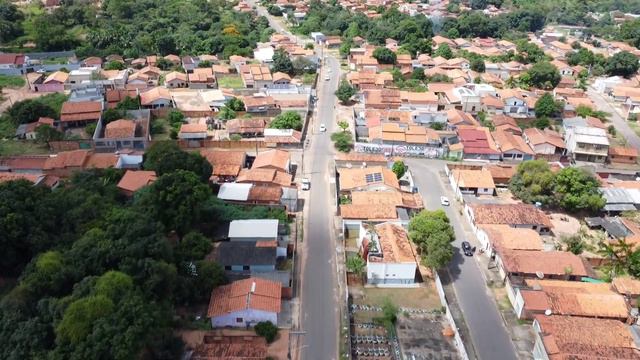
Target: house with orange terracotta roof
point(133, 181)
point(80, 113)
point(390, 257)
point(518, 265)
point(124, 133)
point(273, 159)
point(202, 78)
point(515, 215)
point(506, 123)
point(65, 163)
point(471, 182)
point(55, 82)
point(477, 143)
point(375, 178)
point(573, 337)
point(175, 80)
point(266, 176)
point(193, 131)
point(245, 303)
point(226, 163)
point(156, 98)
point(570, 298)
point(512, 147)
point(256, 76)
point(544, 142)
point(623, 155)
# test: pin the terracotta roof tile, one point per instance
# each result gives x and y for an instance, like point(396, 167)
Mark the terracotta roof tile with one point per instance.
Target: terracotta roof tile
point(134, 180)
point(368, 212)
point(351, 179)
point(509, 214)
point(120, 129)
point(81, 110)
point(395, 244)
point(572, 337)
point(238, 296)
point(265, 193)
point(547, 262)
point(278, 159)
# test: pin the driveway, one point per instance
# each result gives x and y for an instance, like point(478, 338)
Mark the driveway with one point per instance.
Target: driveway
point(488, 334)
point(616, 119)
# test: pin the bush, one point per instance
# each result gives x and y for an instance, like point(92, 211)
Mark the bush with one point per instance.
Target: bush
point(267, 330)
point(235, 137)
point(399, 168)
point(90, 129)
point(342, 141)
point(612, 130)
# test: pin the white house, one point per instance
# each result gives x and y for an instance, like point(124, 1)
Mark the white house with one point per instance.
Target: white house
point(253, 230)
point(426, 117)
point(81, 75)
point(390, 258)
point(264, 54)
point(245, 303)
point(587, 143)
point(514, 103)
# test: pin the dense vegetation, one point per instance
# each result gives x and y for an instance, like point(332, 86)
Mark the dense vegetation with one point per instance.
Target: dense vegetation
point(99, 276)
point(433, 234)
point(136, 28)
point(571, 189)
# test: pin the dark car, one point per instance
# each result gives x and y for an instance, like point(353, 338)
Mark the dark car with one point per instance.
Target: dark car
point(466, 248)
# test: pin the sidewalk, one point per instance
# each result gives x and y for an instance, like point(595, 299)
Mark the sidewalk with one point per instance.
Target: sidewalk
point(520, 331)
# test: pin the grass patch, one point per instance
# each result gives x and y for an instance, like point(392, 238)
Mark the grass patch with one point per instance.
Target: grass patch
point(233, 82)
point(55, 61)
point(308, 79)
point(7, 128)
point(12, 81)
point(417, 298)
point(22, 147)
point(634, 126)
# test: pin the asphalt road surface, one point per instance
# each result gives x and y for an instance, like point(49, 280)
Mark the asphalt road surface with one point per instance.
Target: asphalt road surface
point(618, 121)
point(488, 333)
point(319, 283)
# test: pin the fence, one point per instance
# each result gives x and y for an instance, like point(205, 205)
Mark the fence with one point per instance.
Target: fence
point(443, 300)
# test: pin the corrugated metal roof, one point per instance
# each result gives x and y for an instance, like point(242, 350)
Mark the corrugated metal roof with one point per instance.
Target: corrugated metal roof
point(234, 191)
point(255, 228)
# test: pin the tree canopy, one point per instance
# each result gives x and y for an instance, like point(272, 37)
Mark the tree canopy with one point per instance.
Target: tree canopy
point(623, 63)
point(571, 189)
point(544, 75)
point(384, 55)
point(287, 120)
point(345, 91)
point(432, 233)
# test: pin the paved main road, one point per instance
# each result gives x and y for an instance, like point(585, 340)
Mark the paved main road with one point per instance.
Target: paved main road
point(618, 121)
point(319, 283)
point(490, 338)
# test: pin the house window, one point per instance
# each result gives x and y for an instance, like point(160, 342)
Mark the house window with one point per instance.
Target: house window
point(239, 320)
point(245, 267)
point(227, 267)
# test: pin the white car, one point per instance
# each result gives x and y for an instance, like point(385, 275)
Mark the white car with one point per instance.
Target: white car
point(327, 77)
point(323, 128)
point(444, 201)
point(305, 184)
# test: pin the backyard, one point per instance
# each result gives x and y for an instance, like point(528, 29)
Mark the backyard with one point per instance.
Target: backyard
point(233, 82)
point(424, 297)
point(9, 81)
point(21, 147)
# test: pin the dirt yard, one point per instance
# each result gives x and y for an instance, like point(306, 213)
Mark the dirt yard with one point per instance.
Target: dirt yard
point(424, 297)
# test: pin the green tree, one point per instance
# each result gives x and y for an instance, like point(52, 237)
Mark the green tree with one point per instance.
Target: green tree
point(129, 103)
point(574, 244)
point(267, 330)
point(114, 65)
point(30, 110)
point(79, 318)
point(235, 104)
point(227, 113)
point(345, 91)
point(204, 64)
point(343, 125)
point(533, 182)
point(282, 62)
point(623, 63)
point(576, 190)
point(355, 264)
point(399, 168)
point(113, 285)
point(545, 106)
point(544, 75)
point(166, 157)
point(343, 141)
point(194, 246)
point(112, 115)
point(384, 55)
point(176, 199)
point(287, 120)
point(46, 133)
point(432, 233)
point(477, 64)
point(444, 50)
point(90, 129)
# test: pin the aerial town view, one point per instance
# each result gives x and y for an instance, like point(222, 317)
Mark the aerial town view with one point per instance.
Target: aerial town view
point(319, 179)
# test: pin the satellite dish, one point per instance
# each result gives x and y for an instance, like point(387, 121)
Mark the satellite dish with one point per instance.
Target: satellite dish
point(540, 274)
point(548, 312)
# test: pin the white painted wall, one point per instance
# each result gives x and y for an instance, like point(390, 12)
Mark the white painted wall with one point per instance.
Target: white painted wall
point(391, 273)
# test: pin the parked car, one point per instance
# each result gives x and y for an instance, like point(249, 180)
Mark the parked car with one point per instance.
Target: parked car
point(444, 201)
point(323, 128)
point(327, 77)
point(466, 248)
point(305, 184)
